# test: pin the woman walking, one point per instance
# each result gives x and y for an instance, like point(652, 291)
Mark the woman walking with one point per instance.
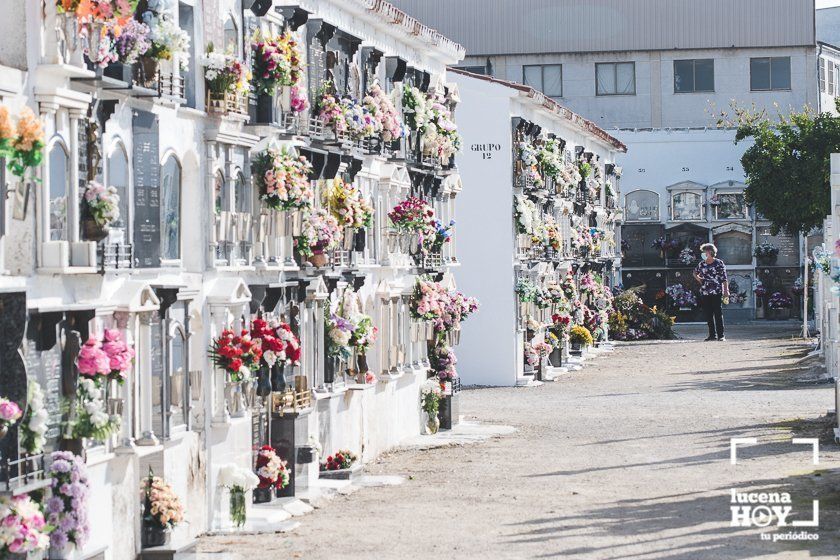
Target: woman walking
point(714, 287)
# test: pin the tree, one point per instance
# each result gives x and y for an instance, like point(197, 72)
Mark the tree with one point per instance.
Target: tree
point(788, 166)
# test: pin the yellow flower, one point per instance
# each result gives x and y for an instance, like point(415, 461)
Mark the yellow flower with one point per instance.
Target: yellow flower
point(29, 131)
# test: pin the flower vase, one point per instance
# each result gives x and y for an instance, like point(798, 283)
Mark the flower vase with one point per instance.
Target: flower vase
point(278, 378)
point(148, 72)
point(284, 94)
point(91, 230)
point(264, 380)
point(265, 109)
point(152, 535)
point(359, 239)
point(347, 238)
point(319, 260)
point(263, 495)
point(237, 510)
point(432, 424)
point(236, 406)
point(56, 554)
point(249, 392)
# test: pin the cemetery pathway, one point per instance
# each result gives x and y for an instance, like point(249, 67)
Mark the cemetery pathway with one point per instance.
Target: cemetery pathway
point(629, 458)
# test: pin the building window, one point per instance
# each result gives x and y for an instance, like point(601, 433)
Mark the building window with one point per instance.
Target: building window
point(687, 206)
point(547, 78)
point(770, 73)
point(697, 75)
point(59, 179)
point(118, 178)
point(171, 209)
point(828, 77)
point(615, 78)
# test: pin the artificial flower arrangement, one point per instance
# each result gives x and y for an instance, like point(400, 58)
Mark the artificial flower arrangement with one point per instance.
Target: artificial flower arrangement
point(298, 101)
point(569, 176)
point(91, 420)
point(442, 362)
point(582, 238)
point(132, 43)
point(102, 203)
point(276, 62)
point(530, 164)
point(779, 300)
point(10, 413)
point(23, 528)
point(553, 239)
point(319, 233)
point(569, 287)
point(440, 135)
point(442, 236)
point(271, 469)
point(346, 116)
point(380, 105)
point(162, 509)
point(765, 251)
point(67, 507)
point(282, 179)
point(99, 21)
point(23, 144)
point(758, 288)
point(347, 205)
point(528, 217)
point(580, 335)
point(560, 325)
point(535, 352)
point(415, 108)
point(550, 158)
point(348, 328)
point(237, 355)
point(446, 309)
point(588, 284)
point(681, 297)
point(168, 40)
point(798, 286)
point(33, 427)
point(342, 459)
point(225, 73)
point(430, 397)
point(414, 215)
point(238, 481)
point(585, 170)
point(108, 359)
point(277, 342)
point(556, 295)
point(687, 256)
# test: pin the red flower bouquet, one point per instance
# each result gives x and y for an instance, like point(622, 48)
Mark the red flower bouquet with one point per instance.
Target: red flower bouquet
point(237, 355)
point(343, 459)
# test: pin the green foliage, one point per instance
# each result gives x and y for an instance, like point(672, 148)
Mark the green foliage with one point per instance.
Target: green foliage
point(787, 167)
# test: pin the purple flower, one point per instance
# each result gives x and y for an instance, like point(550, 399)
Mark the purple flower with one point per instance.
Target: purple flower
point(65, 489)
point(55, 505)
point(58, 539)
point(60, 466)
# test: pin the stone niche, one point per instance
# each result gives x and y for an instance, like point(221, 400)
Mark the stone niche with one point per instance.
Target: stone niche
point(639, 241)
point(641, 206)
point(788, 246)
point(734, 247)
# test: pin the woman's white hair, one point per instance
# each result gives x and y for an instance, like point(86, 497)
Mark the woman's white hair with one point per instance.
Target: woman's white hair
point(709, 247)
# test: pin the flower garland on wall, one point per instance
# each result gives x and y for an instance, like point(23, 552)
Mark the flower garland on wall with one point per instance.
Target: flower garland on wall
point(67, 508)
point(282, 179)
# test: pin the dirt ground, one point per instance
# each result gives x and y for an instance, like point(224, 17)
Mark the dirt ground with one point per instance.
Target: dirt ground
point(628, 458)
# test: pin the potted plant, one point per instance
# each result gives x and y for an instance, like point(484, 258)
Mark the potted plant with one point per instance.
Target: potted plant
point(580, 338)
point(99, 211)
point(272, 473)
point(162, 511)
point(430, 396)
point(766, 254)
point(238, 480)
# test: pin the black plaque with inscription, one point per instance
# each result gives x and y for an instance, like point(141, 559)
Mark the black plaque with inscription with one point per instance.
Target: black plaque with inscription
point(147, 220)
point(44, 367)
point(788, 246)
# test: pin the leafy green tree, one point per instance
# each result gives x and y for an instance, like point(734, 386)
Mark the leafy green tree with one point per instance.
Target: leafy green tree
point(787, 166)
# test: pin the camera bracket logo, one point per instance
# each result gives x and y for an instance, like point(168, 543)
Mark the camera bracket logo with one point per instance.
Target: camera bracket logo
point(761, 509)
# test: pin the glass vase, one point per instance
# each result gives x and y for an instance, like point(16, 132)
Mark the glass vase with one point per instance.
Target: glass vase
point(238, 514)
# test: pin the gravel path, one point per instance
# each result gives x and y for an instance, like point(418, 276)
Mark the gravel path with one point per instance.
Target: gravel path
point(628, 458)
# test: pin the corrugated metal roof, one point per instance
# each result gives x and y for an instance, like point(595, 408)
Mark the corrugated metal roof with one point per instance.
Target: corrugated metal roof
point(491, 27)
point(550, 104)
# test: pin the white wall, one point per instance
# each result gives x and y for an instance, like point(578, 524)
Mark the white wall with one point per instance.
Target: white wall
point(655, 103)
point(486, 355)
